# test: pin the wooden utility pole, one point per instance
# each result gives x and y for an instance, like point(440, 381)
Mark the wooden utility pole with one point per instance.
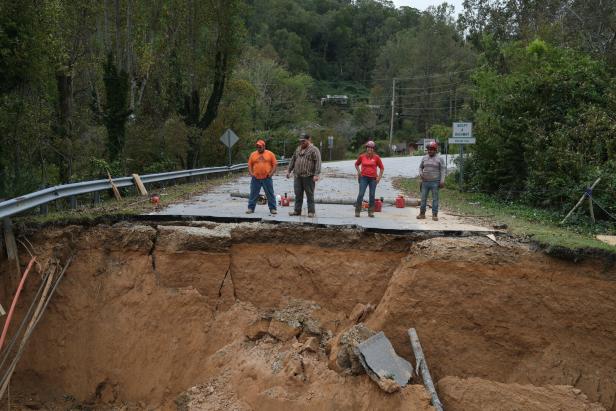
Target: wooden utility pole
point(393, 114)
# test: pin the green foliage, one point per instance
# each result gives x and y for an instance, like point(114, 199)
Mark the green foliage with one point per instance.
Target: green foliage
point(536, 224)
point(431, 63)
point(116, 110)
point(545, 129)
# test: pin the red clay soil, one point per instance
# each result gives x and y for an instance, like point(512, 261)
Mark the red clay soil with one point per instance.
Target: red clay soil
point(475, 394)
point(162, 318)
point(505, 314)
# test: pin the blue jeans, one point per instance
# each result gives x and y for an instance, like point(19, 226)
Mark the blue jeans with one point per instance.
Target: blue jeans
point(365, 182)
point(255, 189)
point(426, 187)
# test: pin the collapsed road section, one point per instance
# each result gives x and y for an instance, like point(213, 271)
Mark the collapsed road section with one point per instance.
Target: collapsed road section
point(251, 316)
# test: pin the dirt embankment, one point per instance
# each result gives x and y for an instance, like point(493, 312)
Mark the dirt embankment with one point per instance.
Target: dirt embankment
point(159, 317)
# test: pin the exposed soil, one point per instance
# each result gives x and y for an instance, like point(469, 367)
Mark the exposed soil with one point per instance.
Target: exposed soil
point(249, 316)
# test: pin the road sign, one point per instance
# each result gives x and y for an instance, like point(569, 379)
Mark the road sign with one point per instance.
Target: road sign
point(229, 138)
point(462, 134)
point(330, 141)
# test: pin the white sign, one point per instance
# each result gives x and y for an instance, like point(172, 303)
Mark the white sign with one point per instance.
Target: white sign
point(229, 138)
point(330, 141)
point(462, 134)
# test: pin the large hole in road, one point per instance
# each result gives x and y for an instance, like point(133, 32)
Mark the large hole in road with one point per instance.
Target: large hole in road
point(253, 316)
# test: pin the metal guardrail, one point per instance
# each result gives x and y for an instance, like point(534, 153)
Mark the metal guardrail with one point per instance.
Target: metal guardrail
point(26, 202)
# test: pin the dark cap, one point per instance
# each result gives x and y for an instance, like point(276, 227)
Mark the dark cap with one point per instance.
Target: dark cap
point(304, 136)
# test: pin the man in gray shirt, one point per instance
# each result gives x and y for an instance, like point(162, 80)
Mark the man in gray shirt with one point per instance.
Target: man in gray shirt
point(432, 173)
point(306, 167)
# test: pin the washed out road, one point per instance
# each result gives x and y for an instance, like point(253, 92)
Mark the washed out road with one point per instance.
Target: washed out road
point(338, 182)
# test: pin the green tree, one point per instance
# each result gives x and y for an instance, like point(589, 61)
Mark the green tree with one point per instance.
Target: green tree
point(544, 129)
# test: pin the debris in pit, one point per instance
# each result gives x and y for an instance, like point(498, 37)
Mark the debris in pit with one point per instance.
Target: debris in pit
point(422, 366)
point(360, 312)
point(344, 356)
point(296, 320)
point(258, 329)
point(383, 365)
point(311, 345)
point(284, 331)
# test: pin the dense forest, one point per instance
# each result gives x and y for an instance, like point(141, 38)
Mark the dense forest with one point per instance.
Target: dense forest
point(144, 86)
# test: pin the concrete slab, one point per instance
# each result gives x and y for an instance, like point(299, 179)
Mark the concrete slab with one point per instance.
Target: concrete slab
point(381, 361)
point(338, 180)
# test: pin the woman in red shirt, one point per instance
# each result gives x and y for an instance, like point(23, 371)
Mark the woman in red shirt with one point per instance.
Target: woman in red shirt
point(366, 166)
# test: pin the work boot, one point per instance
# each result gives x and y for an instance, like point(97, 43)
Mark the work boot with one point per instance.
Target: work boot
point(273, 211)
point(311, 214)
point(371, 212)
point(249, 211)
point(357, 211)
point(292, 213)
point(434, 217)
point(421, 216)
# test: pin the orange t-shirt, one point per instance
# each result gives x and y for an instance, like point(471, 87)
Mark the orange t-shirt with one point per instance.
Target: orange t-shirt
point(262, 164)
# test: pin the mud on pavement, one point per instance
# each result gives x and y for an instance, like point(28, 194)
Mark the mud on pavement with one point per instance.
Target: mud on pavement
point(251, 316)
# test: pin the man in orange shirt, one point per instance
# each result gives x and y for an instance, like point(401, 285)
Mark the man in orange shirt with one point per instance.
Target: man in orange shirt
point(261, 166)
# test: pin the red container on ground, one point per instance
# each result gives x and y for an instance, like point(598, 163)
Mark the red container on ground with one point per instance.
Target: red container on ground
point(378, 205)
point(400, 202)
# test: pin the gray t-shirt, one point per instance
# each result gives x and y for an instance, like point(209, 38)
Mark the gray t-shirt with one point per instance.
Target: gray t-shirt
point(432, 168)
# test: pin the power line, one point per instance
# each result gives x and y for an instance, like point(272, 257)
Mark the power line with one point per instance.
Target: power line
point(429, 75)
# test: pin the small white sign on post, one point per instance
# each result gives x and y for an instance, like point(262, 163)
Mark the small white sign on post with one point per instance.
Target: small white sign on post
point(330, 141)
point(462, 134)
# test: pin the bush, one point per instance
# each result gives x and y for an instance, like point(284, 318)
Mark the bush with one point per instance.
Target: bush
point(543, 130)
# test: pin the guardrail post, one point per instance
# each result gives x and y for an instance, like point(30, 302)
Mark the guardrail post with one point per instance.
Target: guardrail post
point(11, 245)
point(96, 197)
point(44, 209)
point(72, 202)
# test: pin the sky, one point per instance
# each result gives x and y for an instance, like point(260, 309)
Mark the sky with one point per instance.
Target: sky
point(424, 4)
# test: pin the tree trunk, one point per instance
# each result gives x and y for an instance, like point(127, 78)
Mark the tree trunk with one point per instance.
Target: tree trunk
point(64, 80)
point(220, 76)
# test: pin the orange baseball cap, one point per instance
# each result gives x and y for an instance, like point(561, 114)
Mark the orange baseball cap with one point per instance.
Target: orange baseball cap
point(261, 143)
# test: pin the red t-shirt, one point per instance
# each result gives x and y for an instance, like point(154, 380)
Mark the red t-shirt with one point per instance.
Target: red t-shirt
point(369, 164)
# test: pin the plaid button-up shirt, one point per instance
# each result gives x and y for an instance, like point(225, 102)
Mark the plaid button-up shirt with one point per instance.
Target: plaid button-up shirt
point(306, 162)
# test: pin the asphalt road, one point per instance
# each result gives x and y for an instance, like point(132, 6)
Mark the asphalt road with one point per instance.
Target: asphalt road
point(339, 182)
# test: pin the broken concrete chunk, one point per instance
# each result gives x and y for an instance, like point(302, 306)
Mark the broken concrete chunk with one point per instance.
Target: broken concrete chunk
point(381, 362)
point(360, 312)
point(387, 385)
point(343, 353)
point(311, 344)
point(258, 329)
point(284, 331)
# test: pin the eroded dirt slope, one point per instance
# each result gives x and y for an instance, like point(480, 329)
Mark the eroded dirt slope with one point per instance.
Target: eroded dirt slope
point(506, 314)
point(158, 316)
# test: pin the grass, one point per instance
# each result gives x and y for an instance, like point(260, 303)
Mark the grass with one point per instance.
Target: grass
point(128, 205)
point(523, 221)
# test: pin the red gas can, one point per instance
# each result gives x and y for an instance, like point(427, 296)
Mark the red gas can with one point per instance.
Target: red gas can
point(285, 201)
point(378, 205)
point(400, 201)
